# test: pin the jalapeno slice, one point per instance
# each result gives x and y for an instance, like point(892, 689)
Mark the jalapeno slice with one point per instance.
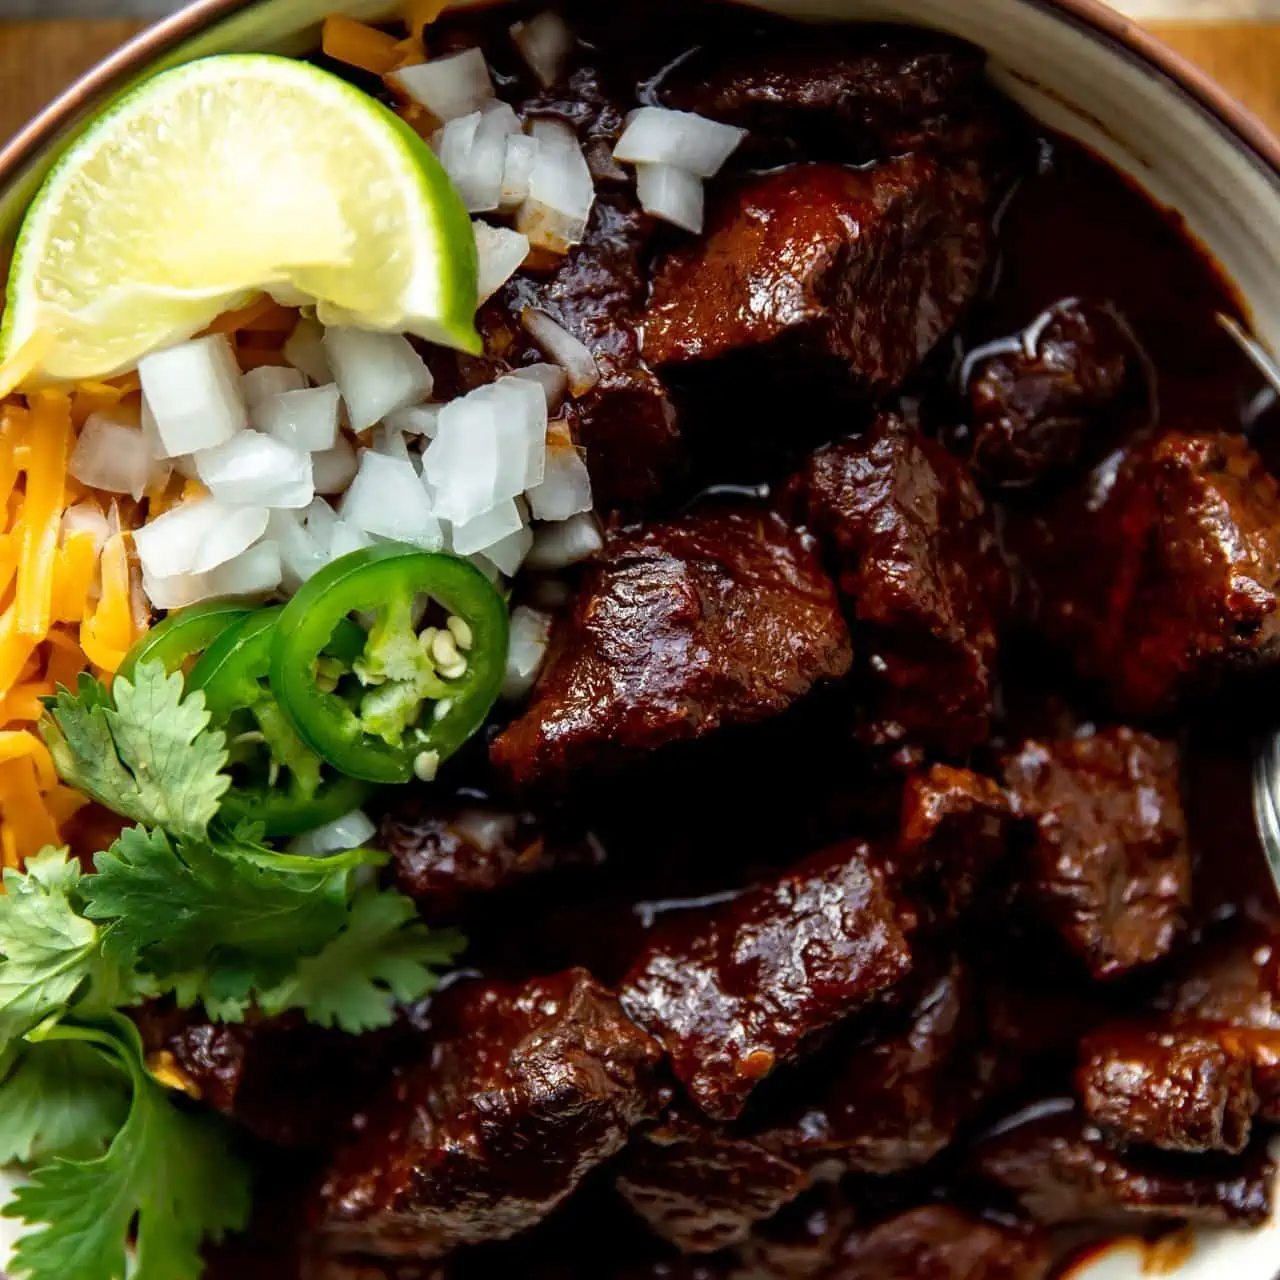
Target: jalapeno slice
point(289, 789)
point(183, 636)
point(423, 683)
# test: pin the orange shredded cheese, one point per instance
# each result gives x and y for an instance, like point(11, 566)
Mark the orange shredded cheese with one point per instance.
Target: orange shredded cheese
point(359, 45)
point(48, 442)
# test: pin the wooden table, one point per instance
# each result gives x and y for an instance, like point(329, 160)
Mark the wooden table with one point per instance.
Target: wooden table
point(37, 59)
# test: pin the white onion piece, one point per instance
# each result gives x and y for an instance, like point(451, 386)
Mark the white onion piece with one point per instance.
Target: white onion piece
point(561, 346)
point(176, 592)
point(301, 555)
point(270, 380)
point(85, 517)
point(390, 443)
point(346, 539)
point(473, 151)
point(195, 394)
point(151, 432)
point(320, 520)
point(254, 469)
point(416, 420)
point(658, 135)
point(526, 652)
point(487, 529)
point(197, 536)
point(546, 43)
point(304, 420)
point(449, 87)
point(377, 373)
point(509, 553)
point(334, 469)
point(517, 169)
point(304, 349)
point(256, 572)
point(348, 832)
point(674, 195)
point(111, 456)
point(553, 380)
point(501, 251)
point(566, 490)
point(388, 499)
point(557, 546)
point(561, 191)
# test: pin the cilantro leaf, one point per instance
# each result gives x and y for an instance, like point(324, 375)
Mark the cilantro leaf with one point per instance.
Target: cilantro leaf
point(143, 750)
point(60, 1098)
point(168, 1174)
point(177, 908)
point(384, 954)
point(50, 950)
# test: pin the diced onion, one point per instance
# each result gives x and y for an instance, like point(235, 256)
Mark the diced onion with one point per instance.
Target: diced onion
point(566, 490)
point(390, 443)
point(417, 420)
point(448, 87)
point(553, 380)
point(348, 832)
point(252, 468)
point(271, 380)
point(561, 191)
point(301, 555)
point(176, 592)
point(197, 536)
point(517, 169)
point(320, 520)
point(526, 652)
point(674, 195)
point(657, 135)
point(473, 151)
point(568, 542)
point(388, 499)
point(377, 373)
point(334, 469)
point(256, 572)
point(487, 529)
point(195, 394)
point(501, 251)
point(304, 420)
point(346, 539)
point(561, 346)
point(85, 517)
point(546, 43)
point(509, 553)
point(305, 351)
point(111, 456)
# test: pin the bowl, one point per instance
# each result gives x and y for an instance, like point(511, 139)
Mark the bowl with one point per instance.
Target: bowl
point(1076, 65)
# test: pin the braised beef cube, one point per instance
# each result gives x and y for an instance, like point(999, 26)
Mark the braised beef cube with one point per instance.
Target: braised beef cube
point(921, 576)
point(1177, 1088)
point(801, 1241)
point(524, 1089)
point(731, 992)
point(445, 853)
point(703, 1189)
point(1109, 865)
point(824, 269)
point(626, 423)
point(714, 619)
point(937, 1242)
point(955, 830)
point(1233, 982)
point(1060, 1169)
point(895, 1090)
point(1037, 405)
point(1158, 577)
point(861, 94)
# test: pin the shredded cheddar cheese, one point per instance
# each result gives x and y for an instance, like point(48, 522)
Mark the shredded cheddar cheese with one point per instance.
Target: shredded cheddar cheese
point(359, 45)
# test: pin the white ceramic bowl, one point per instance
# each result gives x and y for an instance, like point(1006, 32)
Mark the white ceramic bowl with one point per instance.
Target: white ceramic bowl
point(1075, 64)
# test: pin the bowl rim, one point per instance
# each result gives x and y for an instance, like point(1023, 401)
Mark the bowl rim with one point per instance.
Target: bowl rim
point(1238, 121)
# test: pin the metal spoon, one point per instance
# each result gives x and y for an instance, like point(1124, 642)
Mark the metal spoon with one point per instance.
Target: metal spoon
point(1266, 758)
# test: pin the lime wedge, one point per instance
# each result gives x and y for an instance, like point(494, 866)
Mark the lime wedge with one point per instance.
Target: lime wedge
point(222, 179)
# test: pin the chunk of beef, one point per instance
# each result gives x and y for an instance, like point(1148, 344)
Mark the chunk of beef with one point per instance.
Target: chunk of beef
point(1039, 399)
point(801, 1241)
point(447, 852)
point(955, 833)
point(1109, 865)
point(1233, 982)
point(732, 992)
point(1060, 1170)
point(1174, 1087)
point(524, 1090)
point(860, 94)
point(937, 1242)
point(703, 1189)
point(891, 1094)
point(1159, 575)
point(922, 577)
point(823, 269)
point(714, 619)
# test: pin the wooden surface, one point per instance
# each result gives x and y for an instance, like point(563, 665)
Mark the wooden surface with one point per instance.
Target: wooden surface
point(37, 59)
